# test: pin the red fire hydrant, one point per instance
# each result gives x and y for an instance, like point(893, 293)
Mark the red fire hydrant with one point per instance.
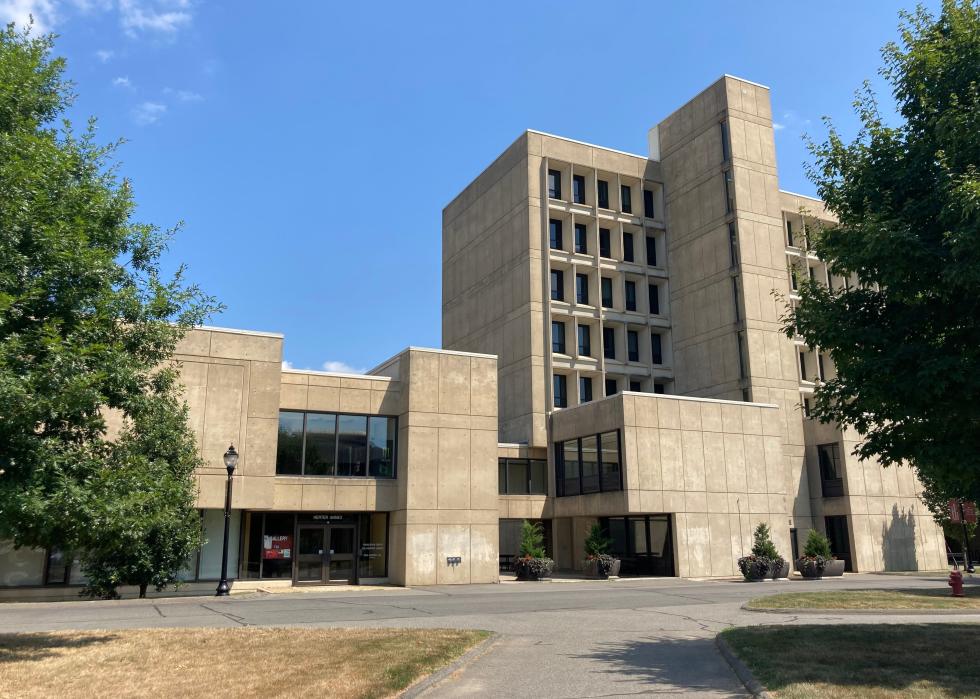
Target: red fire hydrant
point(956, 582)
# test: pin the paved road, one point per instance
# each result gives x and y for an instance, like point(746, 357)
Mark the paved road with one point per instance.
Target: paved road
point(581, 639)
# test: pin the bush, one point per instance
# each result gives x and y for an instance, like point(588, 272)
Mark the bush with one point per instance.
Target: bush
point(596, 544)
point(764, 561)
point(816, 545)
point(762, 546)
point(532, 540)
point(533, 568)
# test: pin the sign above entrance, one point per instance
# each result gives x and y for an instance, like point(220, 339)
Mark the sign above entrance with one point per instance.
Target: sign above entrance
point(330, 518)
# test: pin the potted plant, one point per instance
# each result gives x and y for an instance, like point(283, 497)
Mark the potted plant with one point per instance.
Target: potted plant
point(764, 561)
point(598, 562)
point(531, 563)
point(816, 556)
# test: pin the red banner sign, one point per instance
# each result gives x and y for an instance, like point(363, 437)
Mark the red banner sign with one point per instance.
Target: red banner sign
point(970, 512)
point(277, 546)
point(954, 511)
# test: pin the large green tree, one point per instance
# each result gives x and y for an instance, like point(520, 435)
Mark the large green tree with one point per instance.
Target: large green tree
point(88, 324)
point(905, 339)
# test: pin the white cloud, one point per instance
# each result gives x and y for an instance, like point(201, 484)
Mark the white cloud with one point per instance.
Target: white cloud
point(286, 366)
point(122, 82)
point(183, 95)
point(104, 55)
point(164, 16)
point(44, 12)
point(777, 126)
point(341, 368)
point(149, 113)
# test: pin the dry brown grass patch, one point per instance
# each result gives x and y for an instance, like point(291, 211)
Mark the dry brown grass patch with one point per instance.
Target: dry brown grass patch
point(935, 598)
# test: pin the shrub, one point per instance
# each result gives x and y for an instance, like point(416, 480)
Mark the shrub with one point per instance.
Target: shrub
point(816, 545)
point(764, 561)
point(533, 568)
point(597, 543)
point(762, 546)
point(532, 540)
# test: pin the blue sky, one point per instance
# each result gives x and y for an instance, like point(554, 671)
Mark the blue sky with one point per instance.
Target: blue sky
point(310, 147)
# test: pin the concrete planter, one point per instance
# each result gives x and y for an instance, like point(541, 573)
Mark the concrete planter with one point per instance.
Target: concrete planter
point(835, 568)
point(783, 572)
point(594, 570)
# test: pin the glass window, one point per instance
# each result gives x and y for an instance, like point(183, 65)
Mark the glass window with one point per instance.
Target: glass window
point(630, 296)
point(554, 234)
point(603, 194)
point(538, 476)
point(584, 389)
point(381, 443)
point(581, 238)
point(820, 370)
point(789, 234)
point(829, 456)
point(582, 288)
point(648, 203)
point(502, 476)
point(612, 388)
point(656, 348)
point(289, 448)
point(560, 388)
point(554, 184)
point(726, 151)
point(636, 387)
point(578, 189)
point(627, 247)
point(570, 462)
point(729, 191)
point(659, 387)
point(733, 244)
point(651, 251)
point(605, 248)
point(802, 367)
point(609, 443)
point(607, 294)
point(584, 341)
point(373, 554)
point(659, 529)
point(626, 197)
point(654, 293)
point(352, 445)
point(557, 337)
point(517, 483)
point(590, 464)
point(633, 346)
point(609, 343)
point(557, 285)
point(638, 526)
point(58, 568)
point(277, 545)
point(321, 444)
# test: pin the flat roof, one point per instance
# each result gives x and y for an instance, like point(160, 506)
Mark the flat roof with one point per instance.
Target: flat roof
point(586, 143)
point(237, 331)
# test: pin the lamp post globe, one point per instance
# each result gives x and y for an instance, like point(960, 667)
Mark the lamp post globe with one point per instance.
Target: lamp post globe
point(231, 462)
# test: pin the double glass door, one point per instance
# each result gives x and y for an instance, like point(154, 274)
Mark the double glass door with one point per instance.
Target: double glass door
point(325, 554)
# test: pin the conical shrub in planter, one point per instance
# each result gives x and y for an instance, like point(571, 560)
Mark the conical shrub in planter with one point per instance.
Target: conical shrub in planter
point(598, 562)
point(816, 555)
point(531, 562)
point(764, 561)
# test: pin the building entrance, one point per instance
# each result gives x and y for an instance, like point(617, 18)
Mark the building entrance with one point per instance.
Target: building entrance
point(325, 554)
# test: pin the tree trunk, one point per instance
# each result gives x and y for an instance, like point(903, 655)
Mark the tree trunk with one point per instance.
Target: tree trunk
point(143, 587)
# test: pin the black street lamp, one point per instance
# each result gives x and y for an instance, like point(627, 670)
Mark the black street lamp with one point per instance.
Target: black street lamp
point(231, 461)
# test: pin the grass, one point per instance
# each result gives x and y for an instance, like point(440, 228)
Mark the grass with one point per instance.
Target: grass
point(938, 598)
point(264, 662)
point(880, 661)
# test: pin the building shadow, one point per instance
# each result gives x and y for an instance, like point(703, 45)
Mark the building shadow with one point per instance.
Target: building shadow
point(898, 541)
point(678, 665)
point(27, 647)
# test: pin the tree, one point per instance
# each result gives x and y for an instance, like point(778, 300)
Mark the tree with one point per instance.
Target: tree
point(88, 325)
point(816, 545)
point(762, 545)
point(532, 540)
point(905, 338)
point(596, 543)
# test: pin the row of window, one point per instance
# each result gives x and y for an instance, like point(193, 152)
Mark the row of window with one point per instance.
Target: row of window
point(556, 241)
point(602, 193)
point(331, 444)
point(611, 386)
point(605, 291)
point(588, 464)
point(522, 477)
point(608, 343)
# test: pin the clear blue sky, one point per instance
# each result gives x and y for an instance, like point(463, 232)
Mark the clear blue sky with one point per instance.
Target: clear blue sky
point(310, 147)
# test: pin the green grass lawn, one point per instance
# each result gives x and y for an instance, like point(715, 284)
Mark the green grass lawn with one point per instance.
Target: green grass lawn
point(870, 661)
point(934, 598)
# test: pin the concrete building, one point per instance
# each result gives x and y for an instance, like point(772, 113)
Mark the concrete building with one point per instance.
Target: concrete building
point(613, 354)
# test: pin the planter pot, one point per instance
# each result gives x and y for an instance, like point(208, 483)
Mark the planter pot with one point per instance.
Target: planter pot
point(783, 572)
point(614, 571)
point(533, 568)
point(834, 568)
point(594, 570)
point(810, 570)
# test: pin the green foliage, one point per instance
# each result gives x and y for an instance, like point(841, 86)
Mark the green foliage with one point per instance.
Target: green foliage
point(762, 546)
point(88, 324)
point(532, 540)
point(905, 339)
point(816, 545)
point(596, 543)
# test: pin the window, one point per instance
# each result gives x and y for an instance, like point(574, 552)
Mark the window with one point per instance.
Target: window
point(627, 247)
point(656, 348)
point(746, 395)
point(584, 341)
point(560, 386)
point(522, 477)
point(630, 292)
point(554, 234)
point(807, 407)
point(654, 298)
point(651, 251)
point(735, 296)
point(331, 444)
point(557, 337)
point(648, 203)
point(581, 239)
point(831, 476)
point(812, 272)
point(554, 184)
point(632, 346)
point(589, 464)
point(794, 281)
point(743, 368)
point(726, 149)
point(636, 387)
point(603, 194)
point(608, 343)
point(578, 189)
point(803, 366)
point(612, 388)
point(659, 387)
point(607, 294)
point(733, 244)
point(584, 389)
point(626, 198)
point(605, 249)
point(729, 191)
point(582, 288)
point(820, 370)
point(557, 285)
point(789, 234)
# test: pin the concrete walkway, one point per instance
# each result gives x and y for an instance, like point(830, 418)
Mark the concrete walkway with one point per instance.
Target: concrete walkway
point(586, 639)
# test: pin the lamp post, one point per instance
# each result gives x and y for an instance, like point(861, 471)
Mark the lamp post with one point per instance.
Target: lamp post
point(231, 461)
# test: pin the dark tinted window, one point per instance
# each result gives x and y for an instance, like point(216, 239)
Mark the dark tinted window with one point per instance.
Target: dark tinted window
point(656, 348)
point(584, 389)
point(328, 444)
point(557, 285)
point(289, 449)
point(633, 346)
point(581, 238)
point(605, 249)
point(630, 296)
point(603, 194)
point(609, 455)
point(654, 291)
point(557, 337)
point(626, 194)
point(352, 445)
point(607, 292)
point(554, 233)
point(608, 343)
point(381, 446)
point(648, 203)
point(554, 184)
point(578, 189)
point(611, 387)
point(590, 464)
point(635, 386)
point(321, 444)
point(584, 341)
point(560, 389)
point(582, 288)
point(627, 247)
point(651, 251)
point(659, 388)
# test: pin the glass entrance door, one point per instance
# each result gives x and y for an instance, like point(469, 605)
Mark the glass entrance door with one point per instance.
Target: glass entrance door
point(311, 554)
point(341, 554)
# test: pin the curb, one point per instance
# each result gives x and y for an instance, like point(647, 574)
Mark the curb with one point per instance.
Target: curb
point(858, 612)
point(740, 669)
point(443, 673)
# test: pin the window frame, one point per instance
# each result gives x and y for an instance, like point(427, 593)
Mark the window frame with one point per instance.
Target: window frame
point(559, 398)
point(582, 289)
point(602, 192)
point(336, 446)
point(626, 198)
point(557, 290)
point(629, 300)
point(629, 254)
point(608, 342)
point(559, 451)
point(585, 382)
point(554, 178)
point(605, 243)
point(555, 241)
point(559, 324)
point(578, 189)
point(583, 340)
point(581, 242)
